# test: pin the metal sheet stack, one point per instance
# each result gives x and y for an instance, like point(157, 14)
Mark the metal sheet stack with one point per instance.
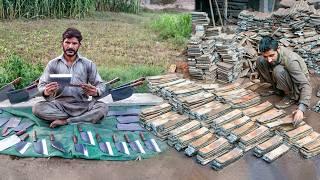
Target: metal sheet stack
point(200, 18)
point(185, 140)
point(268, 145)
point(203, 141)
point(227, 158)
point(182, 130)
point(163, 124)
point(254, 138)
point(148, 114)
point(213, 150)
point(230, 64)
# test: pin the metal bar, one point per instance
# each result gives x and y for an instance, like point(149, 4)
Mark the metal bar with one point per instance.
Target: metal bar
point(218, 12)
point(212, 15)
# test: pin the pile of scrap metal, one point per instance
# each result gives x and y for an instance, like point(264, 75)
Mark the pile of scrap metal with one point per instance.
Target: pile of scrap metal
point(201, 55)
point(296, 27)
point(206, 47)
point(221, 129)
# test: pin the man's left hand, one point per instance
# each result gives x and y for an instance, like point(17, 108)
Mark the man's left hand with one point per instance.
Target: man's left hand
point(297, 117)
point(89, 89)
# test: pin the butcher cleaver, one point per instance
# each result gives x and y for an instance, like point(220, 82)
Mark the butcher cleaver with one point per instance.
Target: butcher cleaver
point(56, 144)
point(23, 146)
point(80, 148)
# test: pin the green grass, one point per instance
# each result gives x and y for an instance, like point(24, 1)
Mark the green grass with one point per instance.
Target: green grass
point(173, 27)
point(14, 67)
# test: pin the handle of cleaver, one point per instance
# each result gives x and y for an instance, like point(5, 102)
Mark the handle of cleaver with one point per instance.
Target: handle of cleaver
point(98, 137)
point(16, 81)
point(74, 139)
point(142, 136)
point(51, 137)
point(126, 137)
point(35, 136)
point(136, 84)
point(113, 80)
point(23, 138)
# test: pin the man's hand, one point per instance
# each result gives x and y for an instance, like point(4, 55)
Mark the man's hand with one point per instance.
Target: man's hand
point(297, 117)
point(89, 89)
point(51, 88)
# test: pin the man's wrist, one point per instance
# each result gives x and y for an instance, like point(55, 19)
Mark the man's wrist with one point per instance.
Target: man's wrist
point(302, 107)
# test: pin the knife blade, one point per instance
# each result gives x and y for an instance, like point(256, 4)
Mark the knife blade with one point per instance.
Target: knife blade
point(80, 148)
point(102, 145)
point(23, 146)
point(150, 143)
point(56, 144)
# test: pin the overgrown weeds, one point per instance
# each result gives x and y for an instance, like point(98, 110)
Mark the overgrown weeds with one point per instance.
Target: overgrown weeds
point(174, 27)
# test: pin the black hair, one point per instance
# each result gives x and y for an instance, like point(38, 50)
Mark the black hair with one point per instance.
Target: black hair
point(72, 32)
point(268, 43)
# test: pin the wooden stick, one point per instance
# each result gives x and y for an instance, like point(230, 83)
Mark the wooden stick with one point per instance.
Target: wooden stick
point(212, 15)
point(219, 12)
point(225, 12)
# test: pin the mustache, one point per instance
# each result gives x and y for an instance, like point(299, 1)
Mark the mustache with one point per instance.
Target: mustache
point(70, 49)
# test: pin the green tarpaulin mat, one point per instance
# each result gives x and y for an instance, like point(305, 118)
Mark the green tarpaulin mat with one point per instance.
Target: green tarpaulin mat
point(64, 134)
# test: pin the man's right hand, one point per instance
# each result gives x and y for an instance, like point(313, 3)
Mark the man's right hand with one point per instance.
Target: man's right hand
point(51, 88)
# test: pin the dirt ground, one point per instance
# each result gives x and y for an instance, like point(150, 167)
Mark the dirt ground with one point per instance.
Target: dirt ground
point(169, 165)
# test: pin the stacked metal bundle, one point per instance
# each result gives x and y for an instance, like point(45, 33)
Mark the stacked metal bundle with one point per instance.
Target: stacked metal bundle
point(276, 153)
point(201, 112)
point(149, 113)
point(208, 115)
point(226, 129)
point(162, 125)
point(294, 135)
point(245, 101)
point(268, 145)
point(258, 109)
point(313, 136)
point(254, 138)
point(203, 141)
point(270, 116)
point(226, 118)
point(213, 150)
point(200, 18)
point(312, 149)
point(185, 140)
point(227, 158)
point(231, 61)
point(154, 81)
point(182, 130)
point(193, 101)
point(243, 130)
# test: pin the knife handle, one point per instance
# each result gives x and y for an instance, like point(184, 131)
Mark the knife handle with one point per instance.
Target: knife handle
point(126, 137)
point(142, 136)
point(113, 80)
point(21, 132)
point(35, 136)
point(79, 128)
point(115, 139)
point(16, 81)
point(51, 137)
point(4, 130)
point(23, 138)
point(98, 137)
point(75, 139)
point(136, 84)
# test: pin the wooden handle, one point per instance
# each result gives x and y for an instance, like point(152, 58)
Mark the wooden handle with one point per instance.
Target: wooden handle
point(16, 81)
point(75, 139)
point(79, 128)
point(51, 137)
point(137, 84)
point(142, 136)
point(98, 137)
point(113, 80)
point(114, 137)
point(23, 138)
point(126, 138)
point(35, 136)
point(21, 132)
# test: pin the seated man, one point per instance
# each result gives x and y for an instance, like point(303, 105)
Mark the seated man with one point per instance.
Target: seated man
point(68, 104)
point(287, 72)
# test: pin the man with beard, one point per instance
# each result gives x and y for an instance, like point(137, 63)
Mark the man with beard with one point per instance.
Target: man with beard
point(287, 72)
point(70, 104)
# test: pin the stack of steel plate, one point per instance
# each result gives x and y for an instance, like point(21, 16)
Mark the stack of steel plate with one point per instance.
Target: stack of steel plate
point(254, 138)
point(227, 158)
point(182, 130)
point(203, 141)
point(185, 140)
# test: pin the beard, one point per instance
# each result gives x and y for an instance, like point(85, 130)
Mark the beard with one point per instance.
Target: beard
point(70, 52)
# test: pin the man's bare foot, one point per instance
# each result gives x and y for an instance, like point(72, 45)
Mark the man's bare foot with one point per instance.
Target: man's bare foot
point(58, 122)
